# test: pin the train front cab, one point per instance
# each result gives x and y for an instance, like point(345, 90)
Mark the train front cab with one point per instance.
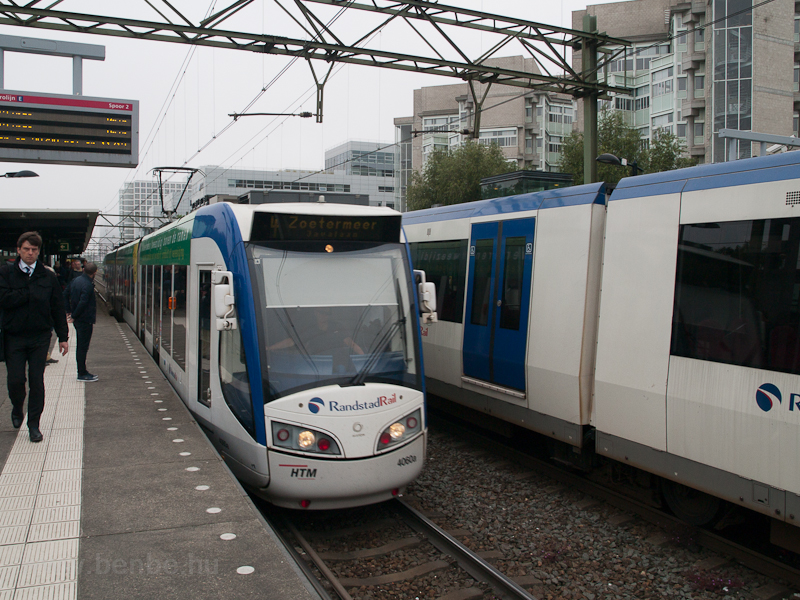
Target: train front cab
point(698, 357)
point(517, 282)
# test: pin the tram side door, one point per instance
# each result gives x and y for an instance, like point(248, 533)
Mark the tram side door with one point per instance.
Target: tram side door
point(498, 301)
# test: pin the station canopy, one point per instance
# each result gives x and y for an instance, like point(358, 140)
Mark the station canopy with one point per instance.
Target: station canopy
point(62, 231)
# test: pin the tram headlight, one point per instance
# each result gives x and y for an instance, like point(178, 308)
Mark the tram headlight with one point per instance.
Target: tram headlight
point(305, 439)
point(302, 439)
point(400, 431)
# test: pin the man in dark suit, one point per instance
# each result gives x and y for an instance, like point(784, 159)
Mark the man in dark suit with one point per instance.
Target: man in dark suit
point(30, 297)
point(82, 312)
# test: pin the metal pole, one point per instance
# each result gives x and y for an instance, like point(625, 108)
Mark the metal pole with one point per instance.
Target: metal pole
point(589, 67)
point(77, 75)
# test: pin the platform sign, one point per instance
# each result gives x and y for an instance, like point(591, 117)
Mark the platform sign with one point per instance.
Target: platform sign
point(68, 130)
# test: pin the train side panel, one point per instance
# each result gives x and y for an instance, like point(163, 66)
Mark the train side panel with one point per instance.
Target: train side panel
point(442, 340)
point(713, 415)
point(634, 330)
point(563, 309)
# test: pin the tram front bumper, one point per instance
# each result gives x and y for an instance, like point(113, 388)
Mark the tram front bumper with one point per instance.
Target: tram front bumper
point(328, 484)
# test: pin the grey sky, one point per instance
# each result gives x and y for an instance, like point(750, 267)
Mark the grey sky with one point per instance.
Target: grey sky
point(360, 102)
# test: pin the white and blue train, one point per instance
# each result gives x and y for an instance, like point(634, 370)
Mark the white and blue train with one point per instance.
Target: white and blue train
point(291, 332)
point(658, 326)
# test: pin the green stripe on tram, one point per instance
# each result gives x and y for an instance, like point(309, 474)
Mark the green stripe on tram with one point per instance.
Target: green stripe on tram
point(170, 246)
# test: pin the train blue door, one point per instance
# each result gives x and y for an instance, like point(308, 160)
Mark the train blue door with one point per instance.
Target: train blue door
point(498, 300)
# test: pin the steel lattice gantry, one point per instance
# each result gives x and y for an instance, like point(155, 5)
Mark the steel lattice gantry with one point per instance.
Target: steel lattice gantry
point(546, 44)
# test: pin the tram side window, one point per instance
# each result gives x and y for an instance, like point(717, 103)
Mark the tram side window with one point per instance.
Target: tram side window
point(166, 312)
point(157, 307)
point(233, 377)
point(736, 294)
point(179, 317)
point(204, 339)
point(147, 292)
point(445, 264)
point(512, 283)
point(482, 288)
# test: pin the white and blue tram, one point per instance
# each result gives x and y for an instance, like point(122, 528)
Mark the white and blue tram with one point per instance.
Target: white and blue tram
point(658, 326)
point(291, 332)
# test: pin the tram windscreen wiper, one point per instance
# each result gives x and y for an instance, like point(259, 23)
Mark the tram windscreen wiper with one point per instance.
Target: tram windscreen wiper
point(377, 353)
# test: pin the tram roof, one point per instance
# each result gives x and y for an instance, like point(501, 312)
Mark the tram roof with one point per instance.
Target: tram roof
point(73, 227)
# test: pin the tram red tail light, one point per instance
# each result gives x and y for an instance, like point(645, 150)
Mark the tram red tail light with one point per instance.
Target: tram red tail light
point(283, 435)
point(395, 492)
point(305, 503)
point(323, 444)
point(398, 433)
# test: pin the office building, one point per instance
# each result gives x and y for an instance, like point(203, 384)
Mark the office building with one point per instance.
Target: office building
point(697, 67)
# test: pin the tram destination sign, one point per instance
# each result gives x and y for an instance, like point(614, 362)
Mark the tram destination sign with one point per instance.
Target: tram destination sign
point(68, 130)
point(298, 227)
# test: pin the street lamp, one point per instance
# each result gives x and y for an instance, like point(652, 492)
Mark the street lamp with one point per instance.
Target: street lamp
point(610, 159)
point(21, 174)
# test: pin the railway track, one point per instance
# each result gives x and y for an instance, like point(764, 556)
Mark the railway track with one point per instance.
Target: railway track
point(383, 551)
point(736, 552)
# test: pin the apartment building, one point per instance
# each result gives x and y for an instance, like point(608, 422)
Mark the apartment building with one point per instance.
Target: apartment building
point(697, 67)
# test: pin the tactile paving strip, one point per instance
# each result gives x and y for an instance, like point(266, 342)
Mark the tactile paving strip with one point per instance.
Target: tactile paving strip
point(40, 495)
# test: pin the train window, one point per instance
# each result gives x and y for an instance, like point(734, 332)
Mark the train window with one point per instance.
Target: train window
point(156, 308)
point(166, 313)
point(736, 294)
point(482, 288)
point(179, 317)
point(147, 292)
point(233, 377)
point(445, 264)
point(512, 283)
point(204, 339)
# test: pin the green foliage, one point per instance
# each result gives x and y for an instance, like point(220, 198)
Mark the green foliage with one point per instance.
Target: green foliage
point(616, 137)
point(453, 177)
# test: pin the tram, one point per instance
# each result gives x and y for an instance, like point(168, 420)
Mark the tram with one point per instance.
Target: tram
point(657, 326)
point(291, 332)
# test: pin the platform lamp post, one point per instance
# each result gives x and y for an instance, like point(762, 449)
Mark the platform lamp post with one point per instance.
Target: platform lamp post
point(21, 174)
point(610, 159)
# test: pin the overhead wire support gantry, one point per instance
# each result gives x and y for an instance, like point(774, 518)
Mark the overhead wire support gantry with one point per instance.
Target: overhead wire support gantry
point(545, 43)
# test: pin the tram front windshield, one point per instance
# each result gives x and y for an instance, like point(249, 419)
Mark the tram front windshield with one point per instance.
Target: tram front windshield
point(334, 318)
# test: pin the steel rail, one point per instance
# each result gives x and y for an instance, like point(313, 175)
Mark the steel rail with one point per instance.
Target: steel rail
point(470, 562)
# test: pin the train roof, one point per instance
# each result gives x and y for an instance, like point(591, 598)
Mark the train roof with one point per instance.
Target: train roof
point(592, 193)
point(711, 176)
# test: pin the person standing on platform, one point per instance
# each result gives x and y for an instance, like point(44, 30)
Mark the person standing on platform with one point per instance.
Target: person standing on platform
point(74, 272)
point(82, 313)
point(30, 297)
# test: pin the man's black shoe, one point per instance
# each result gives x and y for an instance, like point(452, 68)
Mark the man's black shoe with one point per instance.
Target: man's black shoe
point(35, 434)
point(51, 361)
point(16, 421)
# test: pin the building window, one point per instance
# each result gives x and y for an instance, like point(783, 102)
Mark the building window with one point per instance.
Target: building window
point(681, 130)
point(682, 84)
point(663, 122)
point(662, 82)
point(504, 138)
point(699, 82)
point(699, 129)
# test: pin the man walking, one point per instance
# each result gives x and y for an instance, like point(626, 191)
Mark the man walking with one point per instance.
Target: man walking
point(30, 297)
point(82, 312)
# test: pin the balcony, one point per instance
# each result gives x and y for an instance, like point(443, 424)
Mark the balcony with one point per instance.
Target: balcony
point(693, 60)
point(692, 106)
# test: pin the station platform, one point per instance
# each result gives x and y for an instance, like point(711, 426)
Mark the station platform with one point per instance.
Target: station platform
point(125, 497)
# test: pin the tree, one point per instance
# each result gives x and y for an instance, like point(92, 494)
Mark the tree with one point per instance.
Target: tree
point(454, 176)
point(616, 137)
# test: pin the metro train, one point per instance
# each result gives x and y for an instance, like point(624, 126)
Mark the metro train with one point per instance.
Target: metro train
point(291, 332)
point(657, 326)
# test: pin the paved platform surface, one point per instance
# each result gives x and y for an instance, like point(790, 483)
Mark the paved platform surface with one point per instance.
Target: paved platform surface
point(125, 497)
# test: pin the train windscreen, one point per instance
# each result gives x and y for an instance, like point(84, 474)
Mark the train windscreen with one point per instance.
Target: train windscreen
point(340, 316)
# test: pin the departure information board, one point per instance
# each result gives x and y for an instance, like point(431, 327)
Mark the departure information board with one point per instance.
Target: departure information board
point(68, 130)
